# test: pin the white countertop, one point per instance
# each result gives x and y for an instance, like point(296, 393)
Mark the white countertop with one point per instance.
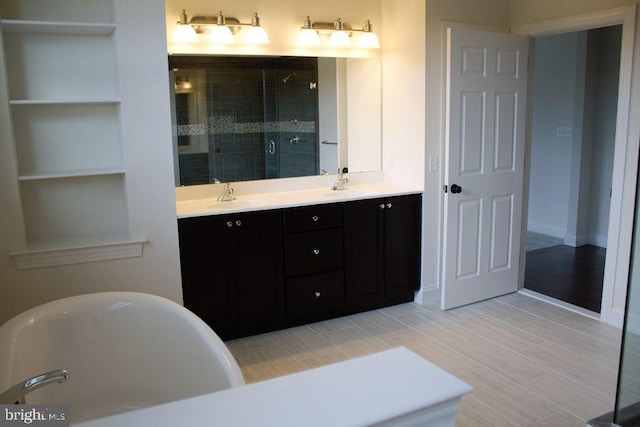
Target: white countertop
point(275, 200)
point(383, 387)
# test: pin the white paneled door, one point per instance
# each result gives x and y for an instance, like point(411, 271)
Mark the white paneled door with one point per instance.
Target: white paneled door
point(485, 133)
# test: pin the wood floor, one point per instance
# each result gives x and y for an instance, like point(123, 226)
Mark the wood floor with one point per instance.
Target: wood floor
point(530, 363)
point(570, 274)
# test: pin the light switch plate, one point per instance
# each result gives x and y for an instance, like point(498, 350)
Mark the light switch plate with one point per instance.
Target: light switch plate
point(564, 131)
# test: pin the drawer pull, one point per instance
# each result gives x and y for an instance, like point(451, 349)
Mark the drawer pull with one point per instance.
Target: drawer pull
point(229, 223)
point(315, 218)
point(381, 205)
point(389, 205)
point(238, 223)
point(316, 251)
point(317, 294)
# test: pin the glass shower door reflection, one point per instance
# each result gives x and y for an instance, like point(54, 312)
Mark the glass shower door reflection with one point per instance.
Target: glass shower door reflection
point(627, 410)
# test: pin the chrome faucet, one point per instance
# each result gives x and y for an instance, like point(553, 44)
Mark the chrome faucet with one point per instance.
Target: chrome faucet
point(16, 394)
point(227, 194)
point(341, 180)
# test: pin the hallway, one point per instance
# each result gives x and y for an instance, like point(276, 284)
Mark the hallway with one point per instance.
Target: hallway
point(570, 274)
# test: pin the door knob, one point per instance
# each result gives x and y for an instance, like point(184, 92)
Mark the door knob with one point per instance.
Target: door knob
point(455, 188)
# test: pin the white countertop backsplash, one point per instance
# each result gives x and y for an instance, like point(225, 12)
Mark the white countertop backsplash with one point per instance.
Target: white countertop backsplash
point(201, 200)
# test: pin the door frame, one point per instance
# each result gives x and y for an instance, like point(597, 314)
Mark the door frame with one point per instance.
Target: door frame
point(625, 170)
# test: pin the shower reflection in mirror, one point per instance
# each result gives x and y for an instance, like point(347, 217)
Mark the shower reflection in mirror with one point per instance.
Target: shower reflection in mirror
point(245, 118)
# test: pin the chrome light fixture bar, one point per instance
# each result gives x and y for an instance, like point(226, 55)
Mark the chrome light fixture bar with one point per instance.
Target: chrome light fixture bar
point(219, 29)
point(339, 34)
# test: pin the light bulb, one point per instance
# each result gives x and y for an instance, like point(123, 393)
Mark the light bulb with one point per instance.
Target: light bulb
point(339, 38)
point(369, 40)
point(221, 34)
point(184, 33)
point(257, 35)
point(308, 37)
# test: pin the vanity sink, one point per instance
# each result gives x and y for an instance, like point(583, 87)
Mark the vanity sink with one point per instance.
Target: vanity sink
point(202, 205)
point(352, 192)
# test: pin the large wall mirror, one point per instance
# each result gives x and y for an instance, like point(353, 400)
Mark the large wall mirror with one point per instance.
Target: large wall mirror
point(242, 118)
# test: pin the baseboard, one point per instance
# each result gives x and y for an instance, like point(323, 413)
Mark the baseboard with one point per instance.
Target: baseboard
point(428, 296)
point(580, 240)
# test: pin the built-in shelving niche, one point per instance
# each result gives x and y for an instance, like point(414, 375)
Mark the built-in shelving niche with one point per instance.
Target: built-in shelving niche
point(61, 63)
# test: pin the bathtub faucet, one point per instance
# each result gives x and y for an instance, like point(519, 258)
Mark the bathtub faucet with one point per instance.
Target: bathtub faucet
point(17, 393)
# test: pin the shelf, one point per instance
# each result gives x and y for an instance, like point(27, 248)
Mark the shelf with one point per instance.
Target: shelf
point(71, 174)
point(94, 11)
point(64, 252)
point(61, 67)
point(46, 27)
point(27, 102)
point(67, 139)
point(77, 208)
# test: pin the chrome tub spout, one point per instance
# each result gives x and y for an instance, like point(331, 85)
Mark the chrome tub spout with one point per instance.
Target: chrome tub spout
point(17, 393)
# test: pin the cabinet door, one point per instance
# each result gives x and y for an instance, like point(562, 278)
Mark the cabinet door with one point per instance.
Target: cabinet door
point(258, 266)
point(363, 230)
point(206, 252)
point(402, 240)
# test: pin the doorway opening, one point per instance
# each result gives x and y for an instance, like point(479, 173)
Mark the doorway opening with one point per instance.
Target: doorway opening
point(573, 123)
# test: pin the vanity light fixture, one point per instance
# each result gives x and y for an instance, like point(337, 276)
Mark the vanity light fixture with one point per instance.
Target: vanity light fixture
point(339, 34)
point(368, 39)
point(256, 33)
point(184, 33)
point(308, 35)
point(339, 37)
point(219, 29)
point(183, 84)
point(220, 32)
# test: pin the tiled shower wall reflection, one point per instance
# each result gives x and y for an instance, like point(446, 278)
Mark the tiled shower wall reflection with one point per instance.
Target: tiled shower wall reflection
point(257, 119)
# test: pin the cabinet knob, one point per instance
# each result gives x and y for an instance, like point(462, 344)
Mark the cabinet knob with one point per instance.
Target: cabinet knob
point(389, 205)
point(317, 294)
point(315, 218)
point(238, 223)
point(381, 205)
point(229, 223)
point(316, 251)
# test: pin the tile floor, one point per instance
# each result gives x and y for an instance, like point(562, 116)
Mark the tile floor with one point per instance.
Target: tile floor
point(530, 363)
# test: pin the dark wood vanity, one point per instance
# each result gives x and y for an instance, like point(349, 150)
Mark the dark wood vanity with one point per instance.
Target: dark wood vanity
point(254, 272)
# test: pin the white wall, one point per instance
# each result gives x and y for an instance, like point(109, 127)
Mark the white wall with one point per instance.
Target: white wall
point(554, 93)
point(607, 43)
point(491, 13)
point(149, 182)
point(575, 85)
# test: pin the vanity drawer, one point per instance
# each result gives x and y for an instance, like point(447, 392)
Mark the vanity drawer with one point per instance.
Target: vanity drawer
point(315, 294)
point(313, 251)
point(316, 217)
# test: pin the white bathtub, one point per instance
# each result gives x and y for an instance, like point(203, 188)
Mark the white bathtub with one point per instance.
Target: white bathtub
point(123, 351)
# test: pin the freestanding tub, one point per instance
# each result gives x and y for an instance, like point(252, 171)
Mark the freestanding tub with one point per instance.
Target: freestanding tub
point(123, 351)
